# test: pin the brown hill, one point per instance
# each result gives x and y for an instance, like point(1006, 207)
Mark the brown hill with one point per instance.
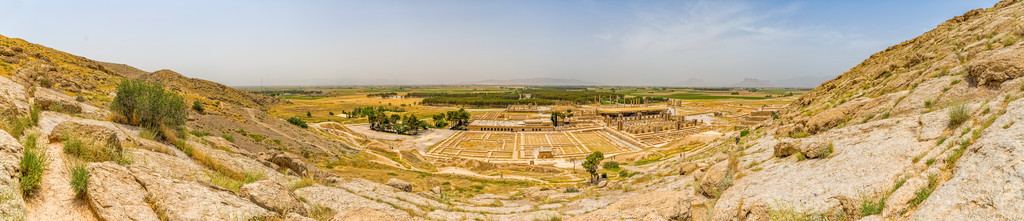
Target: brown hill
point(208, 89)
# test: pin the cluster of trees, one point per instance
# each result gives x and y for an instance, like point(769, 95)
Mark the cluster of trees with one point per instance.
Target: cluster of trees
point(458, 119)
point(278, 92)
point(556, 116)
point(370, 111)
point(382, 94)
point(576, 96)
point(407, 124)
point(148, 105)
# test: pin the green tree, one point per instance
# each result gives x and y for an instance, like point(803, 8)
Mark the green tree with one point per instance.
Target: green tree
point(148, 105)
point(591, 163)
point(459, 118)
point(308, 114)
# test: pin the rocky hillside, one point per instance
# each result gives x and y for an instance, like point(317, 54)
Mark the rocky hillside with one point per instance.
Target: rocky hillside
point(924, 130)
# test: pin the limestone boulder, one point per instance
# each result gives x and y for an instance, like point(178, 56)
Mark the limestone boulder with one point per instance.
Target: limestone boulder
point(933, 124)
point(900, 199)
point(12, 206)
point(193, 200)
point(716, 180)
point(400, 184)
point(816, 148)
point(106, 134)
point(273, 196)
point(362, 214)
point(786, 147)
point(991, 68)
point(340, 200)
point(13, 97)
point(687, 168)
point(873, 155)
point(114, 194)
point(658, 205)
point(51, 100)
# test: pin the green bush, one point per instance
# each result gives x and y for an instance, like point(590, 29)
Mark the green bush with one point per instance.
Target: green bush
point(744, 133)
point(611, 165)
point(298, 122)
point(32, 164)
point(198, 107)
point(958, 114)
point(868, 207)
point(623, 173)
point(79, 180)
point(93, 151)
point(148, 105)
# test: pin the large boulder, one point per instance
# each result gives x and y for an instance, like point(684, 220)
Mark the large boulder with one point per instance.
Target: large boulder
point(340, 200)
point(716, 180)
point(786, 147)
point(659, 205)
point(900, 199)
point(273, 196)
point(816, 148)
point(13, 97)
point(991, 68)
point(107, 135)
point(687, 168)
point(362, 214)
point(12, 206)
point(48, 99)
point(400, 185)
point(193, 200)
point(114, 194)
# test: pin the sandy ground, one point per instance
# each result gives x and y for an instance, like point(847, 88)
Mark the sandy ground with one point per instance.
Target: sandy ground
point(56, 199)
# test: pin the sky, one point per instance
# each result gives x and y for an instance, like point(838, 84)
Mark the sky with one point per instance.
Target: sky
point(657, 43)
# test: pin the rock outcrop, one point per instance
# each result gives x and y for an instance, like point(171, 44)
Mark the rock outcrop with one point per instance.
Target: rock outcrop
point(12, 206)
point(992, 68)
point(660, 205)
point(114, 194)
point(400, 184)
point(273, 196)
point(988, 180)
point(13, 97)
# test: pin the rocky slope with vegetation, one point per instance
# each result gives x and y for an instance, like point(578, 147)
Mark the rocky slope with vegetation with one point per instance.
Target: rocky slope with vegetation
point(925, 130)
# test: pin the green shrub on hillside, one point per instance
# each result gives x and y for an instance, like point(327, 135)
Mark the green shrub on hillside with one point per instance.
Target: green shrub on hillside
point(79, 180)
point(33, 162)
point(198, 107)
point(958, 114)
point(149, 106)
point(298, 122)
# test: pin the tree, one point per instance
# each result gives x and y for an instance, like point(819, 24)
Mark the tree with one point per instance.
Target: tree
point(331, 112)
point(459, 118)
point(148, 105)
point(591, 163)
point(308, 114)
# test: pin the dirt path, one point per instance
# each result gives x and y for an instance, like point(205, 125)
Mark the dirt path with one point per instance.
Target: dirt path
point(271, 128)
point(56, 199)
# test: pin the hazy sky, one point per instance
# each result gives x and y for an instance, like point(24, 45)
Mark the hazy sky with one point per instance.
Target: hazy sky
point(418, 41)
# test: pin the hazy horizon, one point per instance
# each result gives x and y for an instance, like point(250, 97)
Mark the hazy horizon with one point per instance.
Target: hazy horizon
point(657, 43)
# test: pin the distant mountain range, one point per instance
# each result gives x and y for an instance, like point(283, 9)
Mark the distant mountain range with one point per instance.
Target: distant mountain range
point(796, 82)
point(534, 82)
